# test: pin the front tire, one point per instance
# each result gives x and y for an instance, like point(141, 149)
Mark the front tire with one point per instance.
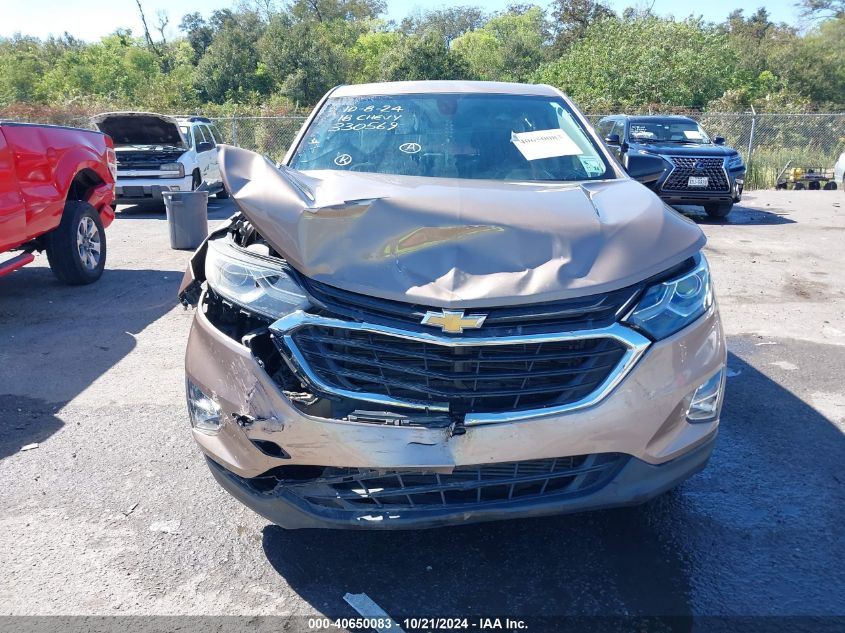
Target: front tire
point(718, 211)
point(76, 249)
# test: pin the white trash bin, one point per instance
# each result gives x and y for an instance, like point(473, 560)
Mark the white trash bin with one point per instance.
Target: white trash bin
point(187, 217)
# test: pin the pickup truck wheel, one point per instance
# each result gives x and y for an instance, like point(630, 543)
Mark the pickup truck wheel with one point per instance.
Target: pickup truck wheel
point(718, 211)
point(76, 249)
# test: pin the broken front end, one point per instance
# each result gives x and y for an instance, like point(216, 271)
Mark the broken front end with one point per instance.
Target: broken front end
point(318, 406)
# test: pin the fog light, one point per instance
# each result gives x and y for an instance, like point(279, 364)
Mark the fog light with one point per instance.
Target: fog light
point(205, 413)
point(704, 406)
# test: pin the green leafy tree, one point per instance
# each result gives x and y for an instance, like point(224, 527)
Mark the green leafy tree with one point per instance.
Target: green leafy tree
point(814, 65)
point(305, 56)
point(509, 47)
point(198, 32)
point(448, 23)
point(370, 54)
point(20, 63)
point(229, 69)
point(822, 9)
point(333, 10)
point(627, 63)
point(425, 57)
point(572, 18)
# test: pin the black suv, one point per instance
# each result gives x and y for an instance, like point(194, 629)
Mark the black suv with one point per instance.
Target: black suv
point(697, 170)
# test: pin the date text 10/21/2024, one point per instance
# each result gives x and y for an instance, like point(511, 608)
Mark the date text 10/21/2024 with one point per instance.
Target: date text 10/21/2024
point(411, 624)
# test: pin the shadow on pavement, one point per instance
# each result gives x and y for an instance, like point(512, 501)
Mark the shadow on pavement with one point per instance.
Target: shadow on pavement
point(217, 210)
point(739, 215)
point(25, 421)
point(725, 542)
point(99, 323)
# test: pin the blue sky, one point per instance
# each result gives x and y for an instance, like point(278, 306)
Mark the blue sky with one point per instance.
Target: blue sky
point(91, 19)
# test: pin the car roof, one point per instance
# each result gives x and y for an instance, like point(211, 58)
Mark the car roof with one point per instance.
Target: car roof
point(192, 119)
point(648, 117)
point(444, 87)
point(660, 117)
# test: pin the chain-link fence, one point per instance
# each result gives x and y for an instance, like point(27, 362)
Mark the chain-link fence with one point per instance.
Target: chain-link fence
point(772, 142)
point(266, 135)
point(767, 142)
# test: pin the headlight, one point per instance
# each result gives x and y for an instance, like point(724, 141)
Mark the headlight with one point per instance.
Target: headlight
point(735, 161)
point(672, 305)
point(173, 167)
point(252, 282)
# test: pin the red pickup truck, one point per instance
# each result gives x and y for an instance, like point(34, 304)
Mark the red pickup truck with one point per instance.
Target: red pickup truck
point(56, 192)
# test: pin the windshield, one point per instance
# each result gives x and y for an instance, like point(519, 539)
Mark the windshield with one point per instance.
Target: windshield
point(667, 131)
point(484, 136)
point(186, 132)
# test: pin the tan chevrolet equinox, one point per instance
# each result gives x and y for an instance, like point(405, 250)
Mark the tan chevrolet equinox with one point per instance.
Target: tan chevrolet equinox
point(449, 303)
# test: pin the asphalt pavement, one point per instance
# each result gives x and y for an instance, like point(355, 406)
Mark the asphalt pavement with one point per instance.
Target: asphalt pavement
point(115, 512)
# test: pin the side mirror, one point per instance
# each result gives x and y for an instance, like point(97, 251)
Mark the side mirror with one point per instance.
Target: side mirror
point(204, 146)
point(644, 168)
point(612, 139)
point(719, 140)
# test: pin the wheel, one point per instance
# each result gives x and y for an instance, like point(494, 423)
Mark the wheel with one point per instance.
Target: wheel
point(719, 211)
point(196, 180)
point(830, 185)
point(76, 249)
point(815, 185)
point(798, 186)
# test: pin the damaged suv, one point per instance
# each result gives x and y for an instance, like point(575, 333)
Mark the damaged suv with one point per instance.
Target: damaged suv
point(449, 303)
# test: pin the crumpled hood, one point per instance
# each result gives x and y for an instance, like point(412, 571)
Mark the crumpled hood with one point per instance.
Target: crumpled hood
point(456, 242)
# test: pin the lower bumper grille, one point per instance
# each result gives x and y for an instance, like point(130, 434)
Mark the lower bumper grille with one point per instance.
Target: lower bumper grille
point(687, 166)
point(504, 483)
point(460, 379)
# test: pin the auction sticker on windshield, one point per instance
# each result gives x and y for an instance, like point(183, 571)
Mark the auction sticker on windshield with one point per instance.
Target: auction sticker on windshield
point(544, 144)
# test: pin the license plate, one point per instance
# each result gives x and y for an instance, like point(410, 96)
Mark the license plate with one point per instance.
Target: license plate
point(697, 181)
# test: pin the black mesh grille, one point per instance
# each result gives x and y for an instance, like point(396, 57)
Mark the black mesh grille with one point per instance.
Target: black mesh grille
point(145, 160)
point(465, 486)
point(686, 166)
point(469, 379)
point(587, 312)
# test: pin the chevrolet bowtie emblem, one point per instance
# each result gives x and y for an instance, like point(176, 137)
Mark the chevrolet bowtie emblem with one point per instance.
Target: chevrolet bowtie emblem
point(453, 321)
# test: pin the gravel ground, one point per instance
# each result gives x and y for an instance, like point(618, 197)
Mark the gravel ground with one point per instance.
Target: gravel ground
point(115, 511)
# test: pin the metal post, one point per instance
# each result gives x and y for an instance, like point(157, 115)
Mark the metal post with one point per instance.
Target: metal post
point(751, 136)
point(235, 132)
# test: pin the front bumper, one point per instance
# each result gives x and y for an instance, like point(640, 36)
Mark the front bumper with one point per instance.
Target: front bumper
point(635, 482)
point(139, 189)
point(643, 419)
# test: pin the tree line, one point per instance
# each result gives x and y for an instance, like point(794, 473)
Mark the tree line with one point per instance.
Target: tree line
point(259, 55)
